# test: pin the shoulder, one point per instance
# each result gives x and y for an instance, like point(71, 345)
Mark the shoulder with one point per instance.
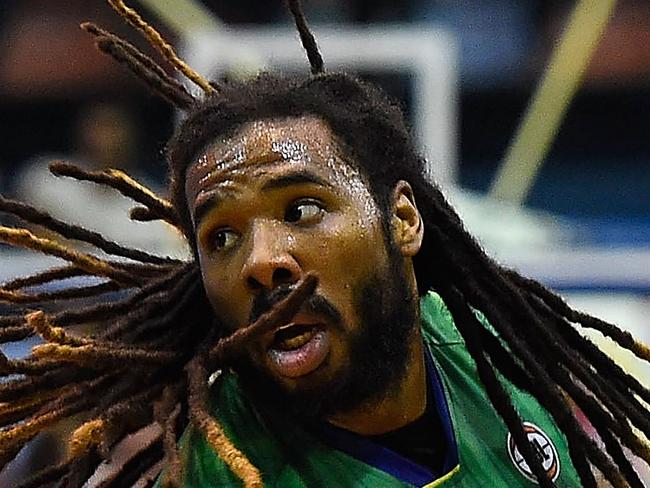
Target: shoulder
point(484, 443)
point(436, 322)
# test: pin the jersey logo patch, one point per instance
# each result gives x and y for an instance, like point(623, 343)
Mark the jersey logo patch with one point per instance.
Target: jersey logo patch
point(545, 449)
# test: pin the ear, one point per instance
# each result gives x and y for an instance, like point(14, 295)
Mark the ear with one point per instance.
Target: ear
point(408, 229)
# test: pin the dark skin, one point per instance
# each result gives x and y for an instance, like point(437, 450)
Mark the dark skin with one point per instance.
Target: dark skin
point(278, 200)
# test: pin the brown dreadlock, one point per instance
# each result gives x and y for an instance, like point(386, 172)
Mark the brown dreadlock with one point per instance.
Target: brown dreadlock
point(145, 328)
point(139, 329)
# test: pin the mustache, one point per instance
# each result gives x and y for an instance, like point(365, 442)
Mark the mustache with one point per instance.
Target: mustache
point(317, 304)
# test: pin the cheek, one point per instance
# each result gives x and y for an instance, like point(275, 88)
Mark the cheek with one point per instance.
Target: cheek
point(355, 244)
point(346, 257)
point(221, 291)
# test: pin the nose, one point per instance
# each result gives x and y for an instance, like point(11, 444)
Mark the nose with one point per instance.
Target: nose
point(270, 262)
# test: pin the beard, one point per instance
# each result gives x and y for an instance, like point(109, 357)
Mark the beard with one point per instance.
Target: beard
point(378, 350)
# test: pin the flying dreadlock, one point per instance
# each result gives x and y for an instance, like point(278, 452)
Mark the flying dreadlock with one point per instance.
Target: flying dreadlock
point(146, 329)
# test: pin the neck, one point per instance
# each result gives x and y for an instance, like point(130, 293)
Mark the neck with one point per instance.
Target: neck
point(394, 409)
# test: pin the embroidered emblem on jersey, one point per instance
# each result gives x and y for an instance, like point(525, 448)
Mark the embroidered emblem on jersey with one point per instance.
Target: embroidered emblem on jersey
point(543, 445)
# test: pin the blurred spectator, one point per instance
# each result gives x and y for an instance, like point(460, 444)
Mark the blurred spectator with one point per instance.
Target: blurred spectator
point(105, 136)
point(49, 68)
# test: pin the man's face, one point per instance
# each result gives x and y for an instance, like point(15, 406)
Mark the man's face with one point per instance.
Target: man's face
point(271, 203)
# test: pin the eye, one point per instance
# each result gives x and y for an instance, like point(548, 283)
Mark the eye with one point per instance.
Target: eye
point(223, 239)
point(304, 212)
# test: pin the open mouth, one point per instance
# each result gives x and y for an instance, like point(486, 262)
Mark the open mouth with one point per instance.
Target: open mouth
point(298, 349)
point(293, 336)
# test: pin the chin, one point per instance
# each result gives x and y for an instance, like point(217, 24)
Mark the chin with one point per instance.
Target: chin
point(305, 398)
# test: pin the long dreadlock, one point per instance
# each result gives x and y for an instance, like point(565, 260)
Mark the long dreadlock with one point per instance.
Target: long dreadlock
point(145, 329)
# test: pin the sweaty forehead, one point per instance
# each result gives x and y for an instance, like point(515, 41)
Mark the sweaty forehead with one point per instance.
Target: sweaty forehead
point(305, 140)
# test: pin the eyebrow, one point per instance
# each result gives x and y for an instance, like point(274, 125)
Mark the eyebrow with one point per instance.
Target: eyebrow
point(292, 178)
point(298, 177)
point(207, 204)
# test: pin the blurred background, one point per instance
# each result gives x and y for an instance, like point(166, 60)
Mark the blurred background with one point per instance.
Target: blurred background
point(466, 72)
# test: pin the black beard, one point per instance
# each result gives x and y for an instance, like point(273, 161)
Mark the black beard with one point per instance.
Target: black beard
point(379, 354)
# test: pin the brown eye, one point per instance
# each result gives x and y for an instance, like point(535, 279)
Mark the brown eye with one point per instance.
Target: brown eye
point(304, 212)
point(223, 239)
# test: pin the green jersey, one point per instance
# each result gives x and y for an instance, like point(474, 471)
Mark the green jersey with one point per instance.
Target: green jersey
point(480, 451)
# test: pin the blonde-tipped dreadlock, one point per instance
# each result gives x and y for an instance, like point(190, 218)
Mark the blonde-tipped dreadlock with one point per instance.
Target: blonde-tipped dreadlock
point(145, 371)
point(60, 376)
point(157, 41)
point(64, 376)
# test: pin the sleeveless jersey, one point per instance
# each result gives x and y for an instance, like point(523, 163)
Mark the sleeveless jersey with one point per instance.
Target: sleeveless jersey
point(481, 451)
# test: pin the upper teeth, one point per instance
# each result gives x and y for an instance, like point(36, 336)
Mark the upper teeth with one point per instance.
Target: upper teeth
point(285, 327)
point(295, 341)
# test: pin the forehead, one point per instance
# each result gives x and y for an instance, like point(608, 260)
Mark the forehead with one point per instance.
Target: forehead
point(291, 138)
point(304, 142)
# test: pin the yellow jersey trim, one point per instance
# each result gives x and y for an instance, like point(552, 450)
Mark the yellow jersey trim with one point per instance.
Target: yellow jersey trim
point(440, 481)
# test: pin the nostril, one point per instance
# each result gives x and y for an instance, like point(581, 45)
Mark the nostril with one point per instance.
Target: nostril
point(253, 284)
point(281, 276)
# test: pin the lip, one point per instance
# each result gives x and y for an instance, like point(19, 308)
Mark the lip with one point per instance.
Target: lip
point(301, 318)
point(303, 360)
